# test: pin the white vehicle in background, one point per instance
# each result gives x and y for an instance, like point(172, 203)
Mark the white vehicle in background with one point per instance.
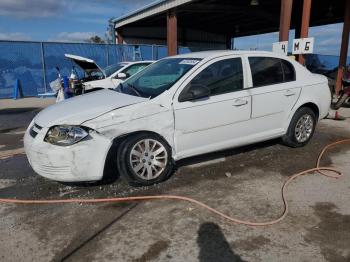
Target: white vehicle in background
point(176, 108)
point(109, 77)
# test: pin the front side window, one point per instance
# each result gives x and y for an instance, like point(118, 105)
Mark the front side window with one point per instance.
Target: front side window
point(270, 71)
point(109, 70)
point(221, 77)
point(158, 77)
point(133, 69)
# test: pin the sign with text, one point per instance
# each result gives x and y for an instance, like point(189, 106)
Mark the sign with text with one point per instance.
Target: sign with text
point(303, 46)
point(280, 47)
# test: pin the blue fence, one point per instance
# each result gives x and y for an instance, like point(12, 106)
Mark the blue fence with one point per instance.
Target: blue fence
point(33, 63)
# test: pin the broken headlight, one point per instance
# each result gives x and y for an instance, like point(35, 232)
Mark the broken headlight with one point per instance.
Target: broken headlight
point(65, 135)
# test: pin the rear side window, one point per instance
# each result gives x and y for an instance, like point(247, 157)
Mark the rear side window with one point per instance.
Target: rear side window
point(222, 77)
point(288, 70)
point(266, 71)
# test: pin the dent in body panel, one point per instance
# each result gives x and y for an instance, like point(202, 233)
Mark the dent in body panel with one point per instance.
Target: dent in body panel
point(83, 161)
point(152, 117)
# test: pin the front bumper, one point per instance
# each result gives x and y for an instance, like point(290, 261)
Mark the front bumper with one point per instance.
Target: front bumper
point(83, 161)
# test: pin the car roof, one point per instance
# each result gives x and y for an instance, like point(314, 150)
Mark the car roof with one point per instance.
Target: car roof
point(216, 53)
point(136, 62)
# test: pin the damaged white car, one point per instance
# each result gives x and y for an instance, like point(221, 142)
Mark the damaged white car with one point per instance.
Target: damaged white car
point(176, 108)
point(97, 78)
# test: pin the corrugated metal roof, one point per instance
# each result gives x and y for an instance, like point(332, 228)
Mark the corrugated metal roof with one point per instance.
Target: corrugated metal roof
point(149, 10)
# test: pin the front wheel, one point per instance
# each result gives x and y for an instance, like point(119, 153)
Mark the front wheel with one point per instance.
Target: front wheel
point(145, 159)
point(301, 128)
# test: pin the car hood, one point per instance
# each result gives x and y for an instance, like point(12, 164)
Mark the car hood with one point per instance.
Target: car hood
point(88, 65)
point(102, 83)
point(77, 110)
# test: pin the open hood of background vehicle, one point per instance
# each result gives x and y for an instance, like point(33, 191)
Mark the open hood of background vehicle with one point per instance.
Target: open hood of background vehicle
point(88, 65)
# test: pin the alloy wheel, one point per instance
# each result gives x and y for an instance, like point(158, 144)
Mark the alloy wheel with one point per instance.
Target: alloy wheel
point(304, 128)
point(148, 159)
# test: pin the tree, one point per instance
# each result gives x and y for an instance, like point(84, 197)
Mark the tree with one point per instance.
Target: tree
point(96, 39)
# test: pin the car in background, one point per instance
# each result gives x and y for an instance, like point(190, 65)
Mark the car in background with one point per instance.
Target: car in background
point(109, 77)
point(178, 107)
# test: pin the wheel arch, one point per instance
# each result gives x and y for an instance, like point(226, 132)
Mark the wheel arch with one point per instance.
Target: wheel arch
point(110, 166)
point(313, 107)
point(117, 140)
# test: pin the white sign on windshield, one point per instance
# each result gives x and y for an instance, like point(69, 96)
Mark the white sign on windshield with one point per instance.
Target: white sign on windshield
point(189, 62)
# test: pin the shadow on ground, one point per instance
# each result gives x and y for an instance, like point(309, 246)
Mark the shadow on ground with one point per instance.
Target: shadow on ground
point(213, 245)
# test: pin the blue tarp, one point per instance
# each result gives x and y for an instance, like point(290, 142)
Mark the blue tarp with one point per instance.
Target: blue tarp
point(32, 62)
point(24, 61)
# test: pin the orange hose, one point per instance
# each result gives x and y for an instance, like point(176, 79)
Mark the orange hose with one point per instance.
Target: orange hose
point(336, 174)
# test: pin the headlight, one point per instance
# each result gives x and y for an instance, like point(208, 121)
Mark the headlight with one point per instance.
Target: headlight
point(65, 135)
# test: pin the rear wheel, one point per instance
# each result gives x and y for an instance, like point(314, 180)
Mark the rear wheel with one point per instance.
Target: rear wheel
point(145, 159)
point(301, 128)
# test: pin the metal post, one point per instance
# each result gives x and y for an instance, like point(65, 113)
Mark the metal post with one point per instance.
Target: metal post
point(228, 42)
point(285, 16)
point(112, 31)
point(153, 52)
point(304, 32)
point(43, 65)
point(120, 37)
point(172, 33)
point(344, 47)
point(107, 54)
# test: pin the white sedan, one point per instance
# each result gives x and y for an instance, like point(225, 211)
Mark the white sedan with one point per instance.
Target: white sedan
point(176, 108)
point(111, 76)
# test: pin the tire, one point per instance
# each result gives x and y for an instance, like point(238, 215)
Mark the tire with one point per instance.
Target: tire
point(142, 167)
point(340, 101)
point(300, 137)
point(346, 103)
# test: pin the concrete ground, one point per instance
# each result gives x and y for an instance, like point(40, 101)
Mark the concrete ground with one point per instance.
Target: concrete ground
point(244, 182)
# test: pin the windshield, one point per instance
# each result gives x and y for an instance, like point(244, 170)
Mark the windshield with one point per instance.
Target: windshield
point(158, 77)
point(109, 70)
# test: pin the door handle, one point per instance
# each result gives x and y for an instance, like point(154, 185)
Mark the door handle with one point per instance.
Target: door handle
point(240, 102)
point(290, 93)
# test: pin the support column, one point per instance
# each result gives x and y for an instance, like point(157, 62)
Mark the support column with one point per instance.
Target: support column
point(285, 16)
point(172, 33)
point(183, 36)
point(344, 47)
point(120, 38)
point(305, 21)
point(298, 5)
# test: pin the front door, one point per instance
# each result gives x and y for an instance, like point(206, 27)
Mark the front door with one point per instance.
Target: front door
point(217, 121)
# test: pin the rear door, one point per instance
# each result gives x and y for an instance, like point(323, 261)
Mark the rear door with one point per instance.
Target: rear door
point(274, 93)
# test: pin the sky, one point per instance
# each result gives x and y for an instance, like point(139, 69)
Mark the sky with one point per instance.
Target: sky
point(78, 20)
point(327, 40)
point(60, 20)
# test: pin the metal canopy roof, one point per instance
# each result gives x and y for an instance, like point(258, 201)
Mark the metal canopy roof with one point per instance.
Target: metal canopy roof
point(236, 18)
point(154, 8)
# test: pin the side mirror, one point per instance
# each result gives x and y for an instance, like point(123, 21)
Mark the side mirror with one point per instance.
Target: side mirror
point(194, 92)
point(121, 76)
